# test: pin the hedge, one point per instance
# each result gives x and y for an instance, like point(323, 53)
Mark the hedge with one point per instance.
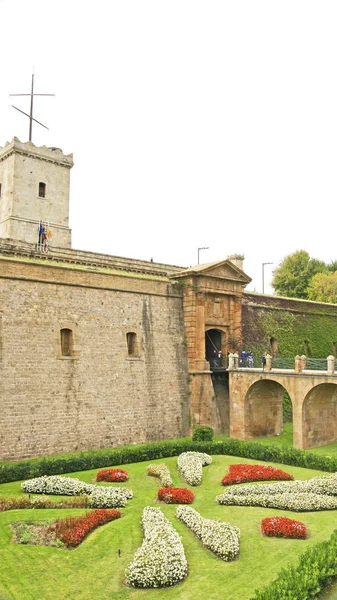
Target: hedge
point(128, 454)
point(203, 434)
point(317, 568)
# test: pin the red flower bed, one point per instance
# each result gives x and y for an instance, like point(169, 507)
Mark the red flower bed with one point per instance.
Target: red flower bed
point(72, 530)
point(283, 527)
point(175, 495)
point(112, 475)
point(246, 473)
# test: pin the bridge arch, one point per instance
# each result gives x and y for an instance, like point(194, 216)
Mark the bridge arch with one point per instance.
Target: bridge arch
point(264, 409)
point(319, 415)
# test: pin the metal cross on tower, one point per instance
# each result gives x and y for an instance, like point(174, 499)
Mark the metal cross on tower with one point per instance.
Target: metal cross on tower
point(31, 118)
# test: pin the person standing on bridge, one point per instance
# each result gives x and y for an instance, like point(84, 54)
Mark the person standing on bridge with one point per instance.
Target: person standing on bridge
point(264, 361)
point(243, 358)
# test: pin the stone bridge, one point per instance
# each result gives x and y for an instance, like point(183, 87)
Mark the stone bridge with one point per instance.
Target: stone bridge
point(255, 402)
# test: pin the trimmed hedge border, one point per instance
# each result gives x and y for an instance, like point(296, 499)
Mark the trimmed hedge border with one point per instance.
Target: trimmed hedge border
point(316, 569)
point(17, 471)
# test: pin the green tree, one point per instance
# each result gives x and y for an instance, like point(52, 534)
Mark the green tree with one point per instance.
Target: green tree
point(292, 277)
point(332, 266)
point(323, 287)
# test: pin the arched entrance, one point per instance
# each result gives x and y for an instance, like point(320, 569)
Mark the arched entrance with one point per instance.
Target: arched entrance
point(264, 409)
point(214, 339)
point(320, 416)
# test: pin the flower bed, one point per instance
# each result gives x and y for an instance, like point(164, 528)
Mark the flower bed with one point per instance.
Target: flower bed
point(112, 475)
point(72, 530)
point(190, 466)
point(162, 472)
point(15, 502)
point(58, 485)
point(283, 527)
point(175, 495)
point(243, 473)
point(160, 561)
point(99, 496)
point(108, 497)
point(220, 538)
point(295, 502)
point(325, 485)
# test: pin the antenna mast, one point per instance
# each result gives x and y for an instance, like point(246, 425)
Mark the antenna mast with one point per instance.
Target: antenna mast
point(30, 116)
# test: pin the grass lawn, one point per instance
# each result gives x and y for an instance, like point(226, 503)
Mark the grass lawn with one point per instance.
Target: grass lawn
point(95, 571)
point(286, 439)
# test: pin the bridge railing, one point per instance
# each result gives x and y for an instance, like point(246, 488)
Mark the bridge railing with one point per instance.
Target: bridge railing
point(296, 364)
point(316, 364)
point(283, 363)
point(312, 364)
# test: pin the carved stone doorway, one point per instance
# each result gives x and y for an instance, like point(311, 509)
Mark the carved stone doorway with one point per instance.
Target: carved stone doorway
point(213, 340)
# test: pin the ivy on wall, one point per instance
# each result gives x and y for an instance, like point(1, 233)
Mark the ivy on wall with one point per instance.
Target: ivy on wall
point(287, 408)
point(310, 332)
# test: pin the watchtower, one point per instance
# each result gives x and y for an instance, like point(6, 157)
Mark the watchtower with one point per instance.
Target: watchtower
point(34, 187)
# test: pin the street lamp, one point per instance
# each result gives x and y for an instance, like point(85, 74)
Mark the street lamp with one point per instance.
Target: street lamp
point(263, 265)
point(203, 248)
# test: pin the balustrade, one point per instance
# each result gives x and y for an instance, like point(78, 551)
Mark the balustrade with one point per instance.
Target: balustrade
point(299, 364)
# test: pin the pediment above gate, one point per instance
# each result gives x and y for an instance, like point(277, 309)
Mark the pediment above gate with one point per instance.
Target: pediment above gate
point(224, 269)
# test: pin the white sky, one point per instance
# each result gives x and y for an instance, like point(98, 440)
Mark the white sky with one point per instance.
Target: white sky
point(192, 123)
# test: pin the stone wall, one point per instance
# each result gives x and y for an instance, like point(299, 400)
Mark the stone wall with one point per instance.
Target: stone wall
point(99, 396)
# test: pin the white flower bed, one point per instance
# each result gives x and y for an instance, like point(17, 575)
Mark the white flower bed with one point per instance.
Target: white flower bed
point(160, 560)
point(58, 485)
point(325, 485)
point(100, 496)
point(103, 497)
point(190, 466)
point(221, 538)
point(287, 501)
point(162, 472)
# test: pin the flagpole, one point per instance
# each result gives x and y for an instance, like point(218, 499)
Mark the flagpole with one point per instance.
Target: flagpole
point(31, 110)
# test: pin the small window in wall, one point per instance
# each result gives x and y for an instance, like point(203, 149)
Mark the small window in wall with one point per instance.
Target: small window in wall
point(131, 340)
point(42, 190)
point(274, 346)
point(66, 342)
point(0, 190)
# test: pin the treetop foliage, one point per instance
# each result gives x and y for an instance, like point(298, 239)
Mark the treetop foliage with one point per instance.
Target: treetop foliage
point(323, 287)
point(299, 276)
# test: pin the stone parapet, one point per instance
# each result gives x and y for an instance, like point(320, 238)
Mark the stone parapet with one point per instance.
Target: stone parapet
point(52, 154)
point(77, 276)
point(85, 258)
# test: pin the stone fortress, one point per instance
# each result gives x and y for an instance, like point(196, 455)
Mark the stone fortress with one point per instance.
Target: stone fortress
point(98, 351)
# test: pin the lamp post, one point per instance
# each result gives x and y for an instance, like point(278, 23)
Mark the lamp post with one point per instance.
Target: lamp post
point(263, 265)
point(203, 248)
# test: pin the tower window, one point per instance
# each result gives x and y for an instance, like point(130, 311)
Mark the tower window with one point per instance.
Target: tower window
point(0, 190)
point(131, 340)
point(42, 190)
point(66, 342)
